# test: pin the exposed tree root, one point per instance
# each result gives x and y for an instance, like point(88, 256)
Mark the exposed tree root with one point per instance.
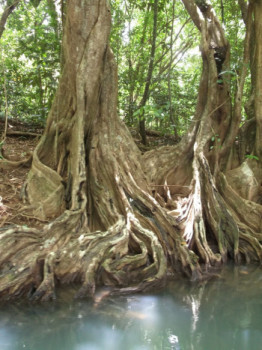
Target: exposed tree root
point(22, 133)
point(8, 164)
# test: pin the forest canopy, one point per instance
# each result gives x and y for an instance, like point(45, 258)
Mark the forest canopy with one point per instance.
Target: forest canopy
point(31, 57)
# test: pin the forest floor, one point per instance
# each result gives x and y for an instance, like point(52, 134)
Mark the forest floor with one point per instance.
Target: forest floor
point(19, 144)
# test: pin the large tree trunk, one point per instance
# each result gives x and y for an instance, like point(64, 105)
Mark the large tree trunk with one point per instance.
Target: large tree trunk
point(118, 218)
point(87, 172)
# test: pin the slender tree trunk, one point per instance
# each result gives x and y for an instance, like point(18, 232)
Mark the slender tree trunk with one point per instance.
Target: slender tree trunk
point(173, 119)
point(3, 136)
point(142, 121)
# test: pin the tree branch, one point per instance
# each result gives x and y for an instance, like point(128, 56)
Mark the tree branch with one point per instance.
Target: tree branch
point(193, 12)
point(7, 11)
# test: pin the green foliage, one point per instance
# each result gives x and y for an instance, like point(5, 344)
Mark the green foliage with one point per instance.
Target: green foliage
point(215, 142)
point(174, 84)
point(251, 156)
point(30, 60)
point(30, 49)
point(177, 66)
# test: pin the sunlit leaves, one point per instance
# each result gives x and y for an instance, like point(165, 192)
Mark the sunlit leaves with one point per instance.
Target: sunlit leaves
point(30, 47)
point(31, 59)
point(134, 21)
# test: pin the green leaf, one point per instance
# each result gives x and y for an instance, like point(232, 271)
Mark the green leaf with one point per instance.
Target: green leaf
point(228, 72)
point(137, 112)
point(251, 156)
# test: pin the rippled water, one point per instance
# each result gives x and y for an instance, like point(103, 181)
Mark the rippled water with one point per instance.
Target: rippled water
point(223, 314)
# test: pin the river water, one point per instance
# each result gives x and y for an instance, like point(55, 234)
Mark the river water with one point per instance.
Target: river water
point(222, 314)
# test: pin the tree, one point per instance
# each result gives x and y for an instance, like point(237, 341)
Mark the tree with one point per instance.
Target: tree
point(142, 125)
point(118, 217)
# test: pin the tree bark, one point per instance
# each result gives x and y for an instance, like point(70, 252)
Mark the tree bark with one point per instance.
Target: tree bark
point(87, 172)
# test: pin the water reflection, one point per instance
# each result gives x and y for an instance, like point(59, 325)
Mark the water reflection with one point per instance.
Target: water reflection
point(225, 313)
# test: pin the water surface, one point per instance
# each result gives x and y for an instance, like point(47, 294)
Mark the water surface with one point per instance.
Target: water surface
point(222, 314)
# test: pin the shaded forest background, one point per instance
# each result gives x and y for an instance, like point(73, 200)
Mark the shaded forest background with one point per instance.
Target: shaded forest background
point(158, 58)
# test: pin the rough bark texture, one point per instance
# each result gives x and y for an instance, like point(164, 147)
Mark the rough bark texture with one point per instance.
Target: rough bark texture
point(118, 218)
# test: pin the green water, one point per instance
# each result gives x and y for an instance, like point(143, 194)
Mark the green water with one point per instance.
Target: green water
point(223, 314)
